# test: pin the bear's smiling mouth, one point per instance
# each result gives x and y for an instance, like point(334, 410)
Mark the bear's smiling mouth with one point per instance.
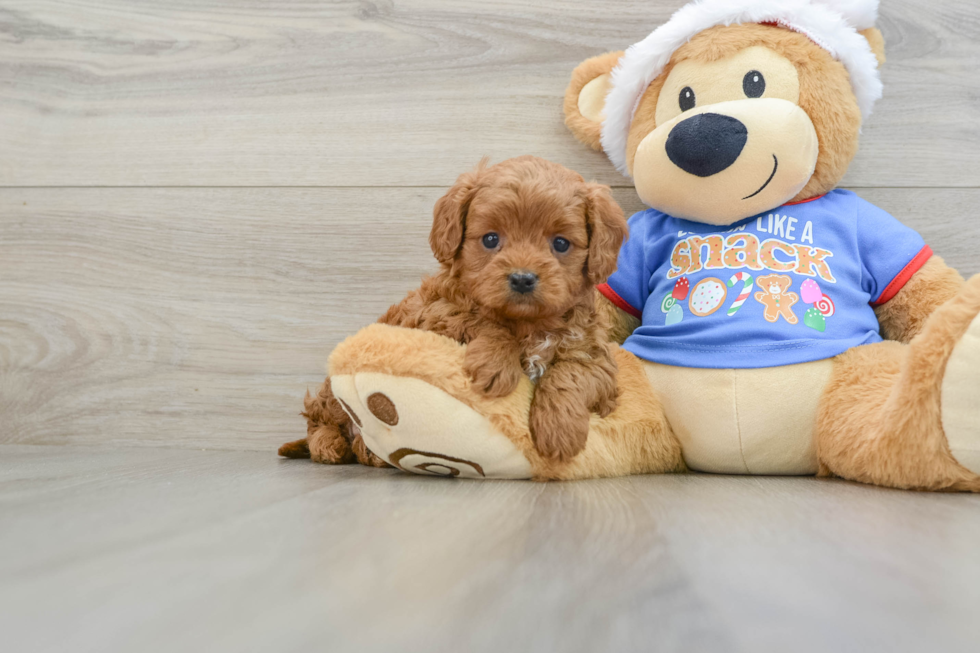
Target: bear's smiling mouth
point(775, 165)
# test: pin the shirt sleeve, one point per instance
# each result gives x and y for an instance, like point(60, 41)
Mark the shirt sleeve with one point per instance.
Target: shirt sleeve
point(629, 286)
point(890, 252)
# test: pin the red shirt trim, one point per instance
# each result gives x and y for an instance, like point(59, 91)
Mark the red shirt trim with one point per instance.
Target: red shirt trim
point(812, 199)
point(621, 303)
point(903, 277)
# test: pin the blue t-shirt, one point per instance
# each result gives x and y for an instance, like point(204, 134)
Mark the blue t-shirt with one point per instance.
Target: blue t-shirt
point(791, 285)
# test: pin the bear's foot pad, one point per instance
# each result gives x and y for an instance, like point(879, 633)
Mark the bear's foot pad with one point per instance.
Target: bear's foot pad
point(422, 429)
point(961, 399)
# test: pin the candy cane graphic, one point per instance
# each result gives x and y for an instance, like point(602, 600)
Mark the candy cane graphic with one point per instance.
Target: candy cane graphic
point(746, 280)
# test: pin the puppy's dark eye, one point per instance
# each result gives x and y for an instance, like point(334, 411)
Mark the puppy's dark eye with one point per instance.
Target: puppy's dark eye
point(687, 99)
point(491, 240)
point(560, 244)
point(754, 84)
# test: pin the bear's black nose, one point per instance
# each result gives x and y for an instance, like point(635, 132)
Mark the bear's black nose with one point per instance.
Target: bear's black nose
point(706, 144)
point(523, 281)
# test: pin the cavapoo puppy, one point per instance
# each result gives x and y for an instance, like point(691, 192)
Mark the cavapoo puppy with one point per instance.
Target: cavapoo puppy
point(521, 245)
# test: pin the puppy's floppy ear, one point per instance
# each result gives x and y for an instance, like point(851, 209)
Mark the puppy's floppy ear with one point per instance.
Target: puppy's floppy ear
point(449, 215)
point(585, 97)
point(607, 231)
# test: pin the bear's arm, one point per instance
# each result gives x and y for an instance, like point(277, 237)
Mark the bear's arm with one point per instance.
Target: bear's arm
point(902, 317)
point(619, 323)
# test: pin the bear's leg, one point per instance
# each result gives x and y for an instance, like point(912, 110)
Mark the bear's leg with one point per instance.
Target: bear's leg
point(419, 411)
point(908, 416)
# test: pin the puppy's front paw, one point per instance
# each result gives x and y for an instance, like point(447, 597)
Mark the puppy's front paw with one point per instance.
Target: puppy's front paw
point(605, 405)
point(607, 399)
point(494, 378)
point(559, 431)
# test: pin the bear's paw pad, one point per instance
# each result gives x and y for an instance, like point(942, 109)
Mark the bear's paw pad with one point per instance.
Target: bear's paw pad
point(421, 429)
point(960, 408)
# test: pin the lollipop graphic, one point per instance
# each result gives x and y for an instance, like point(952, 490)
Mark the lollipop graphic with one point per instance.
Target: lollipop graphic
point(825, 305)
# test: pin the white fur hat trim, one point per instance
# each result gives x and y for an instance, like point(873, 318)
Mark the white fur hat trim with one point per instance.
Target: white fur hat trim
point(831, 24)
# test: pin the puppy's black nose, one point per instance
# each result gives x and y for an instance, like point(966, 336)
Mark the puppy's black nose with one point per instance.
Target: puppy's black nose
point(706, 144)
point(523, 281)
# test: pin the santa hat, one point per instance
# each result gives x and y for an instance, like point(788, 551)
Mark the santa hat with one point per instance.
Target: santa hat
point(831, 24)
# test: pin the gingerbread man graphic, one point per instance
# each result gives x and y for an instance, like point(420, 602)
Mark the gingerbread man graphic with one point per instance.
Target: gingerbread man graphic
point(775, 298)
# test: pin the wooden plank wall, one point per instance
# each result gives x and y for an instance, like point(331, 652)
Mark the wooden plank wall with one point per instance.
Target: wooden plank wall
point(198, 199)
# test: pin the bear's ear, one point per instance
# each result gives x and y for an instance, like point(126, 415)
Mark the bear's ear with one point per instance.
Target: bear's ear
point(877, 43)
point(585, 97)
point(449, 215)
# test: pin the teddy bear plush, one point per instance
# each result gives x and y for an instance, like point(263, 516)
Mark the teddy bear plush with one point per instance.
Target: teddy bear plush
point(770, 323)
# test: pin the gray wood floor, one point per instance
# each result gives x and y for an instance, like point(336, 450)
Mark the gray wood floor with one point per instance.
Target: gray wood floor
point(199, 199)
point(126, 549)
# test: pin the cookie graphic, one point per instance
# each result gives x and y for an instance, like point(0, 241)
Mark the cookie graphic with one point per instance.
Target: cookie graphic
point(777, 299)
point(667, 303)
point(674, 315)
point(707, 296)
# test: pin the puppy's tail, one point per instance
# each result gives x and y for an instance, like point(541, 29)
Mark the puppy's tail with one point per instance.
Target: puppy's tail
point(327, 432)
point(295, 449)
point(314, 417)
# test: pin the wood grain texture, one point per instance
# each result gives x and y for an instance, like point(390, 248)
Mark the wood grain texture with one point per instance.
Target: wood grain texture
point(198, 317)
point(122, 550)
point(190, 317)
point(380, 93)
point(192, 311)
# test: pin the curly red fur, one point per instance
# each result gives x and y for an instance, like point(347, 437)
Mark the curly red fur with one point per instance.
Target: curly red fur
point(553, 333)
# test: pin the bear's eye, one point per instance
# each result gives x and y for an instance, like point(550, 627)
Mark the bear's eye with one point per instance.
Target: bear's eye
point(491, 240)
point(754, 84)
point(560, 244)
point(686, 99)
